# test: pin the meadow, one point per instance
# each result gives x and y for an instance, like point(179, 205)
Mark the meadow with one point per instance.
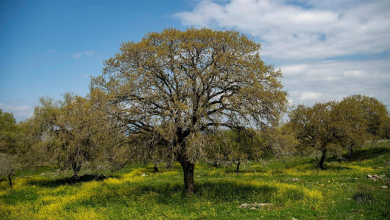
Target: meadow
point(295, 186)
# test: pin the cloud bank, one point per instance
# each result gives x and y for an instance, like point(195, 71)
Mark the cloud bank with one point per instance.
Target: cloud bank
point(326, 49)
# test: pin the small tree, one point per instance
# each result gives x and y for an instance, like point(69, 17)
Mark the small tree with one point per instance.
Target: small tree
point(281, 141)
point(228, 147)
point(315, 127)
point(70, 134)
point(359, 118)
point(8, 133)
point(8, 166)
point(176, 84)
point(351, 123)
point(376, 114)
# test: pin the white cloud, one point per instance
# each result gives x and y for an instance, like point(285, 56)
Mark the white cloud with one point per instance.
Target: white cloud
point(354, 73)
point(19, 112)
point(291, 32)
point(294, 69)
point(78, 55)
point(311, 96)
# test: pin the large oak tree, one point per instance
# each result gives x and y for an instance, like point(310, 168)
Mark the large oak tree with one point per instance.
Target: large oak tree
point(176, 84)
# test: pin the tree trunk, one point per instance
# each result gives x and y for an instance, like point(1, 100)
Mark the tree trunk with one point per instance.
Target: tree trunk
point(215, 164)
point(76, 168)
point(350, 151)
point(322, 160)
point(238, 167)
point(155, 167)
point(10, 180)
point(169, 165)
point(188, 169)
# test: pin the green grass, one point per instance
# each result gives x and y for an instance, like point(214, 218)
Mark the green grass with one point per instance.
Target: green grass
point(339, 192)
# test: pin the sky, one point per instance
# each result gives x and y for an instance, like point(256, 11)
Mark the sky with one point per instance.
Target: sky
point(327, 50)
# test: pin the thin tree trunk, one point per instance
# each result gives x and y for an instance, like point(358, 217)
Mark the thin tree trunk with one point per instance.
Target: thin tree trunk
point(350, 151)
point(76, 168)
point(10, 180)
point(155, 167)
point(188, 169)
point(322, 160)
point(169, 165)
point(238, 167)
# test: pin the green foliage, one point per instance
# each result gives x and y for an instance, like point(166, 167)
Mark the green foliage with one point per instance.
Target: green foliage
point(8, 133)
point(351, 123)
point(71, 134)
point(279, 141)
point(8, 166)
point(228, 147)
point(365, 113)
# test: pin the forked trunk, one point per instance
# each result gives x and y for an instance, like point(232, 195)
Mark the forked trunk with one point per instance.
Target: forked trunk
point(10, 180)
point(188, 169)
point(238, 167)
point(76, 169)
point(322, 160)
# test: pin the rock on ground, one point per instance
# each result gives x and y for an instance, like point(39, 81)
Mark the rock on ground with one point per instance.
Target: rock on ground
point(254, 205)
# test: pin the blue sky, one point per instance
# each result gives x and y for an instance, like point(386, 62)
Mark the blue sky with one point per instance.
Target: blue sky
point(326, 49)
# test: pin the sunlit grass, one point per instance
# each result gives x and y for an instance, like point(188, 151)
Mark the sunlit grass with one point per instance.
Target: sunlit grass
point(295, 187)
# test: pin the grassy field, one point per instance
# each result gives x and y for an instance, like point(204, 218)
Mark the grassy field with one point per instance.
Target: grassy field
point(342, 191)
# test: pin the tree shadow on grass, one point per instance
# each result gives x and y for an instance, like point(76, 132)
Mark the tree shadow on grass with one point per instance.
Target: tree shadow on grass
point(67, 180)
point(174, 194)
point(337, 168)
point(363, 154)
point(370, 153)
point(230, 191)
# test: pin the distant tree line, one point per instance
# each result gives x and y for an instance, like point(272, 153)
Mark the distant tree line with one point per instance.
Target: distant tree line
point(185, 96)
